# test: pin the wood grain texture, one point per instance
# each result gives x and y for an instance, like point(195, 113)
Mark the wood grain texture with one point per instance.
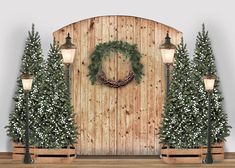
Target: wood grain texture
point(143, 86)
point(196, 155)
point(136, 94)
point(8, 156)
point(41, 155)
point(121, 128)
point(118, 121)
point(105, 97)
point(85, 136)
point(115, 163)
point(5, 155)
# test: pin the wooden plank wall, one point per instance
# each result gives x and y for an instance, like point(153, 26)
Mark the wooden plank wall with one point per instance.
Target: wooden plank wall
point(121, 121)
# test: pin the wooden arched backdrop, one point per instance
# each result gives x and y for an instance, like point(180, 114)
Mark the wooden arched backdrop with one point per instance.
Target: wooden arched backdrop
point(118, 121)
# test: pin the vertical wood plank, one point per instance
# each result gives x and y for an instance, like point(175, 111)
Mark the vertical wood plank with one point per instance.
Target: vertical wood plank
point(105, 91)
point(91, 91)
point(158, 83)
point(113, 91)
point(76, 93)
point(136, 94)
point(98, 87)
point(129, 92)
point(150, 87)
point(121, 148)
point(84, 89)
point(144, 112)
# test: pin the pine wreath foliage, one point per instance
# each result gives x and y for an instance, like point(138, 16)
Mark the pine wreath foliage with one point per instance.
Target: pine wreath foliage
point(103, 50)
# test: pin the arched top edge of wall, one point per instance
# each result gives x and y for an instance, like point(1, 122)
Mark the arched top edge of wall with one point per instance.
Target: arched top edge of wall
point(77, 22)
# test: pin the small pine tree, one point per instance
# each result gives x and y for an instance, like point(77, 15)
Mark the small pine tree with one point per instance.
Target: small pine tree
point(58, 128)
point(178, 128)
point(203, 61)
point(32, 63)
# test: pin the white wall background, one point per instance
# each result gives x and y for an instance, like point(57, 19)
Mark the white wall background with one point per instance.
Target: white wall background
point(187, 16)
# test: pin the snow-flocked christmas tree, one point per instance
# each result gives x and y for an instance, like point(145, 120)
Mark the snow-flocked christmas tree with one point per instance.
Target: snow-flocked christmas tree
point(178, 128)
point(58, 128)
point(32, 63)
point(204, 60)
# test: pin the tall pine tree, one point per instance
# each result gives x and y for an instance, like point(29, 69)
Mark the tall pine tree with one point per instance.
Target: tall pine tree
point(32, 63)
point(58, 128)
point(178, 128)
point(202, 61)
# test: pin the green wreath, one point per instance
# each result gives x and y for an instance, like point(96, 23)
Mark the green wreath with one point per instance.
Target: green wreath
point(103, 50)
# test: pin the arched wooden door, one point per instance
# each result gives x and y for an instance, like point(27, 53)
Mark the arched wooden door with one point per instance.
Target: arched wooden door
point(118, 121)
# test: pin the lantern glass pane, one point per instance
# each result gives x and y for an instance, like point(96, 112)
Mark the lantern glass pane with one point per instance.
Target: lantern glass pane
point(68, 55)
point(209, 84)
point(168, 56)
point(27, 83)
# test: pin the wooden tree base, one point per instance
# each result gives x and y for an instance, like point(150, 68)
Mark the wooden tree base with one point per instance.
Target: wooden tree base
point(197, 155)
point(40, 155)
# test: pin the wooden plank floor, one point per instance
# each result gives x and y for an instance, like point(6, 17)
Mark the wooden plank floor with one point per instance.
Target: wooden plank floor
point(115, 163)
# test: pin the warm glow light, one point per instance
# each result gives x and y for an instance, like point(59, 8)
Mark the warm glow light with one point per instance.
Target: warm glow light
point(27, 81)
point(68, 51)
point(167, 50)
point(209, 83)
point(68, 55)
point(168, 56)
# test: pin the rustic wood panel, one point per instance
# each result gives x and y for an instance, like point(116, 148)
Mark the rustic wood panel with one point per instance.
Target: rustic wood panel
point(150, 87)
point(143, 86)
point(129, 96)
point(112, 92)
point(98, 89)
point(159, 87)
point(118, 163)
point(76, 80)
point(91, 91)
point(121, 147)
point(105, 97)
point(40, 155)
point(8, 155)
point(136, 94)
point(196, 155)
point(121, 121)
